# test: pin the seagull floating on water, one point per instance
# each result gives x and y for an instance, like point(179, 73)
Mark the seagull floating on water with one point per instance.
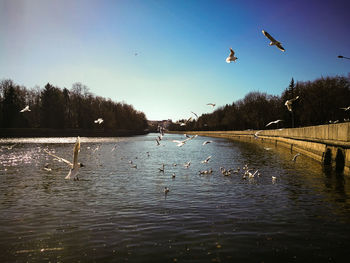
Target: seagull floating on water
point(161, 169)
point(273, 41)
point(206, 160)
point(187, 164)
point(26, 108)
point(231, 57)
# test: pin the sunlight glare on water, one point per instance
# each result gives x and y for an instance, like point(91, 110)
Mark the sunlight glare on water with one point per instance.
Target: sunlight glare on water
point(119, 212)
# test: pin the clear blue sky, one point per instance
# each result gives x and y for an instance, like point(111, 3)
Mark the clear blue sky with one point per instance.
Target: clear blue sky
point(181, 46)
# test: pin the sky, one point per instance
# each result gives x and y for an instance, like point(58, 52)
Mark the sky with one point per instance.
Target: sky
point(167, 58)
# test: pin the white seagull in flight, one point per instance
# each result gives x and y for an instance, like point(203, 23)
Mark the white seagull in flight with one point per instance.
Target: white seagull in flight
point(73, 172)
point(99, 120)
point(289, 103)
point(26, 108)
point(206, 142)
point(346, 109)
point(273, 122)
point(295, 157)
point(211, 104)
point(273, 41)
point(231, 57)
point(194, 114)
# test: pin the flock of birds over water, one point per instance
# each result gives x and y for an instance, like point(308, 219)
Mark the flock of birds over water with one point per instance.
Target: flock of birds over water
point(247, 172)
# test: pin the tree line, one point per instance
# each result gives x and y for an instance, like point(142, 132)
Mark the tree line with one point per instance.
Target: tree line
point(56, 108)
point(320, 102)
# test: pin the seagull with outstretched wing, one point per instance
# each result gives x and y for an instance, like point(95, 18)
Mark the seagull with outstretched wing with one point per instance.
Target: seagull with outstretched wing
point(26, 108)
point(194, 114)
point(273, 122)
point(231, 57)
point(289, 103)
point(99, 120)
point(73, 172)
point(74, 167)
point(295, 157)
point(273, 41)
point(211, 104)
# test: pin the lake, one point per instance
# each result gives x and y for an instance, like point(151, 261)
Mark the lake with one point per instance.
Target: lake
point(117, 212)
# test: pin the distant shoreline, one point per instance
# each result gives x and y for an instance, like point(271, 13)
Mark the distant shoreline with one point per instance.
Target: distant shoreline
point(42, 132)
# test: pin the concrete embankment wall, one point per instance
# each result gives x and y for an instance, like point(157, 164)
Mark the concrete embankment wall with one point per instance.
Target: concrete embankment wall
point(329, 144)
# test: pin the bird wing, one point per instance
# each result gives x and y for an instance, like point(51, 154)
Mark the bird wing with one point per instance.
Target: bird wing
point(62, 159)
point(280, 47)
point(195, 114)
point(269, 123)
point(208, 158)
point(295, 157)
point(76, 151)
point(268, 36)
point(232, 52)
point(189, 119)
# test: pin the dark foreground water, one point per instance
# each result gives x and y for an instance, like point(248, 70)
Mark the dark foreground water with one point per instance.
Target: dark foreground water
point(118, 213)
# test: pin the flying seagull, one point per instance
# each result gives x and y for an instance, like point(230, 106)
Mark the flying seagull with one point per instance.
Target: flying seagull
point(179, 143)
point(211, 104)
point(289, 103)
point(256, 135)
point(194, 114)
point(184, 123)
point(273, 122)
point(26, 108)
point(73, 172)
point(346, 109)
point(206, 142)
point(295, 157)
point(273, 41)
point(99, 120)
point(231, 57)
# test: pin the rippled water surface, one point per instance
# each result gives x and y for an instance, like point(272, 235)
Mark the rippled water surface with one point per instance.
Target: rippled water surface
point(117, 212)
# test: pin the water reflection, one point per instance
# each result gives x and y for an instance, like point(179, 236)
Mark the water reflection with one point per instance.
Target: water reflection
point(120, 213)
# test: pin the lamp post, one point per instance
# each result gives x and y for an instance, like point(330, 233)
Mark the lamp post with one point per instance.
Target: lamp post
point(343, 57)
